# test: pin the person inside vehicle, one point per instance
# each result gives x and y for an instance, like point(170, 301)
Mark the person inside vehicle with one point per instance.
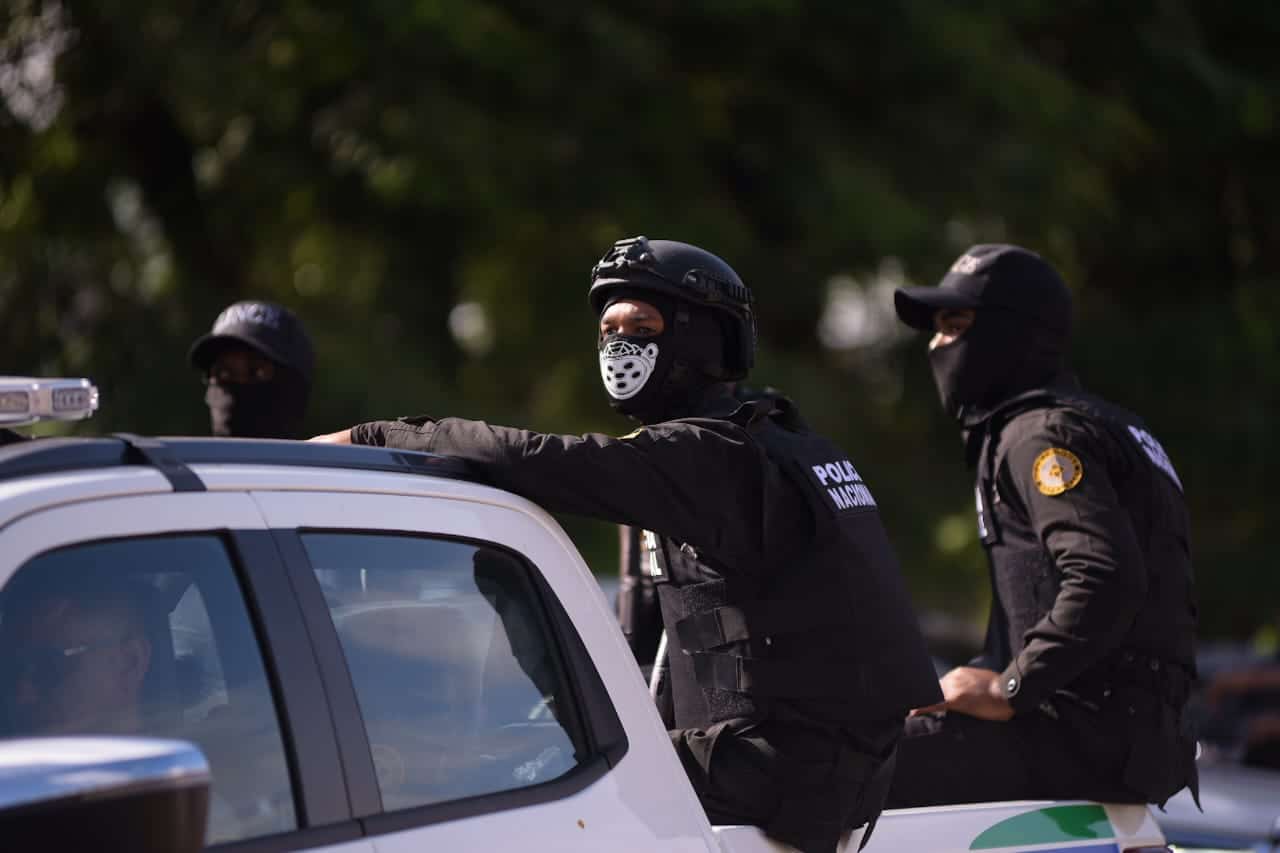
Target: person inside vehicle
point(257, 364)
point(794, 651)
point(75, 659)
point(1090, 651)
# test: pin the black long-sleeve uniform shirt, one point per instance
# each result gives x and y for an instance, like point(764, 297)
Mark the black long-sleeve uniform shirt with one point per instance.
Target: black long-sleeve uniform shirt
point(702, 481)
point(1085, 523)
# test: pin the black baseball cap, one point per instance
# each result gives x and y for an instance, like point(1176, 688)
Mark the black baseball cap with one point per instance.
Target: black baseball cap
point(271, 329)
point(992, 275)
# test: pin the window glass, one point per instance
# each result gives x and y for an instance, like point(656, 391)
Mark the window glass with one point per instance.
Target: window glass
point(148, 636)
point(457, 677)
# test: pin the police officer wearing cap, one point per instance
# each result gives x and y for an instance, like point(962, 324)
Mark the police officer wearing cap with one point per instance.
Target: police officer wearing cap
point(257, 363)
point(794, 653)
point(1089, 656)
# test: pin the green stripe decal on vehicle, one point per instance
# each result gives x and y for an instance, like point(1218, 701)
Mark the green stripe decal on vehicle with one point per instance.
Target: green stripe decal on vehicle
point(1044, 826)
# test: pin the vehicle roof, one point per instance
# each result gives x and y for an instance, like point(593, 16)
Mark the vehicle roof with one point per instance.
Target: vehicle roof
point(48, 471)
point(57, 455)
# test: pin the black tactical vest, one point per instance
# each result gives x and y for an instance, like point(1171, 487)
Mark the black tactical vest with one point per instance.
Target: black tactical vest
point(1025, 578)
point(830, 637)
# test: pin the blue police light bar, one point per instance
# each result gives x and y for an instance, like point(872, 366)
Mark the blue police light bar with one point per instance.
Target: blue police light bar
point(24, 400)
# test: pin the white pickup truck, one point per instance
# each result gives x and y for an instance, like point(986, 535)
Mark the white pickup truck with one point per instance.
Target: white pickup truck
point(374, 652)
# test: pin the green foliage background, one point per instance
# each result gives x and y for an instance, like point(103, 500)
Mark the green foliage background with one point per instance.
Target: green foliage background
point(374, 164)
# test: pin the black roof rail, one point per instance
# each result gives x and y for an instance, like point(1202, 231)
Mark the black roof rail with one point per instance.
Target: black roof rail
point(172, 456)
point(154, 452)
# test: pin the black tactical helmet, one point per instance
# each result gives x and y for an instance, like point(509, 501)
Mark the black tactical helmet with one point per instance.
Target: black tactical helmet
point(687, 273)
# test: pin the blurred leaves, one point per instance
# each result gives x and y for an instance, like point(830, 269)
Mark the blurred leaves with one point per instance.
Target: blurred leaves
point(377, 164)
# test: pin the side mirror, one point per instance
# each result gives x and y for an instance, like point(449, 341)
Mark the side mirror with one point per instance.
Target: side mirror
point(103, 793)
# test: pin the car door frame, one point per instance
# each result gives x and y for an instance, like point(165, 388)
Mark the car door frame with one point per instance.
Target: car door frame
point(321, 799)
point(605, 735)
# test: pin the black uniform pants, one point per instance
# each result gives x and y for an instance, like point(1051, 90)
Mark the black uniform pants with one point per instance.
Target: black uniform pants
point(802, 786)
point(960, 759)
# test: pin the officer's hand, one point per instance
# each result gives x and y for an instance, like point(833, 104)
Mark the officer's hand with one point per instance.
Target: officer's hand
point(973, 691)
point(342, 436)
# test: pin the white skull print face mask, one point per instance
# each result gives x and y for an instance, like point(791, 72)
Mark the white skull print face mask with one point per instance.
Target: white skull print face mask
point(625, 367)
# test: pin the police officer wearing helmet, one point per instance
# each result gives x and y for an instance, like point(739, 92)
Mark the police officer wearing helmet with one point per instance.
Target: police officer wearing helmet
point(793, 649)
point(1089, 656)
point(257, 363)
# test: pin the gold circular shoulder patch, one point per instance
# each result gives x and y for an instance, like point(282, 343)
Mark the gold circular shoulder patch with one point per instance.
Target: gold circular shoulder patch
point(1057, 471)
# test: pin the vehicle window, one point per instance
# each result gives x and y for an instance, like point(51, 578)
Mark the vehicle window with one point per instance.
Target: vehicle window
point(148, 636)
point(459, 682)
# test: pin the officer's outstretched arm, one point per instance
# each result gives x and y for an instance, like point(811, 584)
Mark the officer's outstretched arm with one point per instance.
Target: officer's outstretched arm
point(683, 479)
point(1061, 477)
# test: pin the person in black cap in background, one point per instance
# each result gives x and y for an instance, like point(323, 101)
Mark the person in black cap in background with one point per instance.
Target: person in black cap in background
point(794, 652)
point(257, 363)
point(1089, 654)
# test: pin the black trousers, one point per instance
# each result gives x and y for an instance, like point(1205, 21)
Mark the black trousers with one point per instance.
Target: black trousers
point(801, 786)
point(960, 759)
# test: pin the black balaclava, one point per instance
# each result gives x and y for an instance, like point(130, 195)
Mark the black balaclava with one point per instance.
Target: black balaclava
point(272, 409)
point(1001, 354)
point(666, 376)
